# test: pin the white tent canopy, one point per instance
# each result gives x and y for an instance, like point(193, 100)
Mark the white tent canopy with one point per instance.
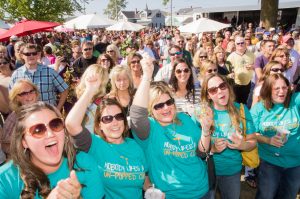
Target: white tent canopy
point(88, 21)
point(4, 25)
point(125, 25)
point(203, 25)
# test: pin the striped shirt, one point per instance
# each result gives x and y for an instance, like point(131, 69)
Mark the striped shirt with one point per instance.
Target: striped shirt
point(187, 105)
point(46, 79)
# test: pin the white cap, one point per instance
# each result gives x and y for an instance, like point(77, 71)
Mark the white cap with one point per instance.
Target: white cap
point(272, 29)
point(14, 38)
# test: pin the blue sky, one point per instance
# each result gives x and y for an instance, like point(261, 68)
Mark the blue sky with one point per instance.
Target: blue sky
point(99, 5)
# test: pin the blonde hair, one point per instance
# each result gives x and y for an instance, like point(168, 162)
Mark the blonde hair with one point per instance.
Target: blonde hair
point(196, 58)
point(115, 49)
point(115, 72)
point(103, 76)
point(16, 89)
point(205, 65)
point(233, 112)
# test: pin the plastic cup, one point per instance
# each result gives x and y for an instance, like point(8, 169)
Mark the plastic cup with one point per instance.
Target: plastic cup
point(153, 193)
point(283, 134)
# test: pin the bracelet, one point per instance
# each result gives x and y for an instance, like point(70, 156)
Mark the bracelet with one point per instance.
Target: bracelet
point(206, 134)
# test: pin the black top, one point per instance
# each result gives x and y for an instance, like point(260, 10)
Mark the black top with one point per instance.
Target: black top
point(81, 64)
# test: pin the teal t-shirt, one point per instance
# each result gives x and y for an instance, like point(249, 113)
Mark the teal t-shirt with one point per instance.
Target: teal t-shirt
point(123, 167)
point(266, 123)
point(174, 166)
point(11, 184)
point(229, 161)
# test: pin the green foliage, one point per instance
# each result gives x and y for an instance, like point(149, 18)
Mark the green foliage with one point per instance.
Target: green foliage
point(43, 10)
point(165, 2)
point(113, 8)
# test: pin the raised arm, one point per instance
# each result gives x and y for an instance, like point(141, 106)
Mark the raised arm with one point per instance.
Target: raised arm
point(76, 115)
point(138, 111)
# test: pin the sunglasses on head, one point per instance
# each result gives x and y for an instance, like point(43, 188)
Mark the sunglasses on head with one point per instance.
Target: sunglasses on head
point(30, 54)
point(186, 70)
point(176, 53)
point(212, 70)
point(39, 130)
point(88, 49)
point(214, 90)
point(109, 118)
point(169, 102)
point(136, 61)
point(3, 63)
point(276, 70)
point(25, 93)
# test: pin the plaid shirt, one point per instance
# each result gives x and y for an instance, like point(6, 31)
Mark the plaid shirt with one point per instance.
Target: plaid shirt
point(46, 79)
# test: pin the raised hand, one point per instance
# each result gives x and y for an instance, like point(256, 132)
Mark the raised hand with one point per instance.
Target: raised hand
point(66, 189)
point(92, 83)
point(147, 66)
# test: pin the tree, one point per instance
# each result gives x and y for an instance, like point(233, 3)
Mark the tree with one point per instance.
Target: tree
point(165, 2)
point(43, 10)
point(268, 13)
point(113, 8)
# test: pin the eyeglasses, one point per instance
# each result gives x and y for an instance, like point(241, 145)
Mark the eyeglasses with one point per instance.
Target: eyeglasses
point(3, 63)
point(214, 90)
point(276, 70)
point(136, 61)
point(169, 102)
point(109, 118)
point(39, 130)
point(241, 43)
point(212, 70)
point(30, 54)
point(110, 51)
point(202, 57)
point(88, 49)
point(25, 93)
point(186, 70)
point(282, 56)
point(176, 53)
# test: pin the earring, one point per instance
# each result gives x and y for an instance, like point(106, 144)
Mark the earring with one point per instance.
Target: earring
point(25, 150)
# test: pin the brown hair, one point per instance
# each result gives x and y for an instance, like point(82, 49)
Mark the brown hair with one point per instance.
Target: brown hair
point(267, 69)
point(99, 112)
point(266, 91)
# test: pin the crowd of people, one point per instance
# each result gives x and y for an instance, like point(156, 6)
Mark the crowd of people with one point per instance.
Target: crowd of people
point(102, 114)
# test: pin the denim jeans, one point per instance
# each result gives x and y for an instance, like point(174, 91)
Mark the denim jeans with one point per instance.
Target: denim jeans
point(277, 182)
point(229, 186)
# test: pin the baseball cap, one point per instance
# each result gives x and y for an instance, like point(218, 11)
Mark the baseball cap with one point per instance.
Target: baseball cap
point(286, 38)
point(14, 38)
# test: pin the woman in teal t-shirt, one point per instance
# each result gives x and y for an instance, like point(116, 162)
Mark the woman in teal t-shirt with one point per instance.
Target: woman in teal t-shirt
point(121, 160)
point(44, 162)
point(169, 140)
point(222, 127)
point(276, 118)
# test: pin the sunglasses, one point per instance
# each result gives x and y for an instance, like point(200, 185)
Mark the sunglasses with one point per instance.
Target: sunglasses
point(241, 43)
point(30, 54)
point(214, 90)
point(110, 51)
point(3, 63)
point(176, 53)
point(202, 57)
point(39, 130)
point(276, 70)
point(282, 56)
point(88, 49)
point(169, 102)
point(212, 70)
point(25, 93)
point(186, 70)
point(109, 118)
point(136, 62)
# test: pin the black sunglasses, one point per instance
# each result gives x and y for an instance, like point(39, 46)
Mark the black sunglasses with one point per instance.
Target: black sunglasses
point(276, 70)
point(136, 62)
point(88, 49)
point(30, 54)
point(109, 118)
point(186, 70)
point(176, 53)
point(169, 102)
point(214, 90)
point(212, 70)
point(25, 93)
point(3, 63)
point(39, 130)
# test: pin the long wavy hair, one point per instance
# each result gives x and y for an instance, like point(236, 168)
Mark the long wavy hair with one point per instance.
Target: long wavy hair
point(34, 178)
point(115, 72)
point(233, 112)
point(190, 87)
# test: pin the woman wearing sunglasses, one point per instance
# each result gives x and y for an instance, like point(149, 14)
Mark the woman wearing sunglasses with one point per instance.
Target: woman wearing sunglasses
point(90, 113)
point(281, 54)
point(106, 61)
point(44, 162)
point(272, 67)
point(226, 139)
point(24, 92)
point(134, 65)
point(122, 162)
point(186, 96)
point(276, 118)
point(208, 67)
point(169, 140)
point(5, 76)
